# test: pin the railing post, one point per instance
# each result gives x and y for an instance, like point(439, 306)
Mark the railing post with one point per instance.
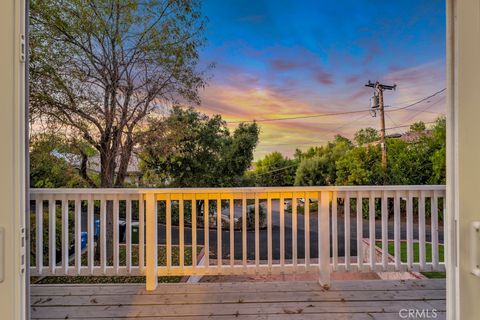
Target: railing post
point(151, 239)
point(324, 238)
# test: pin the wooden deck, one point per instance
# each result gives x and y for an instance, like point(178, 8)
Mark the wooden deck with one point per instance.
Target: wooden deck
point(365, 299)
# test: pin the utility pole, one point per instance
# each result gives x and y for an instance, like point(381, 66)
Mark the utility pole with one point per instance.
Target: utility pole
point(377, 104)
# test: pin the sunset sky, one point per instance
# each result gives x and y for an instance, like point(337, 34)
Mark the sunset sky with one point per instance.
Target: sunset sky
point(283, 59)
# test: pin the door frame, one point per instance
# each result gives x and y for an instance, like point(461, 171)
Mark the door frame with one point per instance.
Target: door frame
point(14, 261)
point(452, 169)
point(19, 89)
point(463, 68)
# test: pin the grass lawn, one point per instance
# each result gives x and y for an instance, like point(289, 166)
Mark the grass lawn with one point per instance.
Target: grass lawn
point(416, 255)
point(162, 257)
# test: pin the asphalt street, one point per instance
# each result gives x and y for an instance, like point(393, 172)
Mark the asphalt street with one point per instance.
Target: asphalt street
point(288, 237)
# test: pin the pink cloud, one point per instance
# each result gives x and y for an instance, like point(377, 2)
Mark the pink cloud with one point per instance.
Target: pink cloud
point(353, 79)
point(285, 65)
point(240, 95)
point(323, 77)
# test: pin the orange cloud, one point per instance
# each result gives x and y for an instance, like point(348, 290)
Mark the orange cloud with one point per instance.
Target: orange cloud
point(247, 100)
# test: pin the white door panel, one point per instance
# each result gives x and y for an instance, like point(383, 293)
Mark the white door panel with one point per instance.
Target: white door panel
point(464, 160)
point(12, 161)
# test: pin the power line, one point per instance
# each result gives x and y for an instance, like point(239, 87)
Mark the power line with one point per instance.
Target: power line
point(423, 110)
point(419, 101)
point(407, 125)
point(275, 170)
point(334, 113)
point(313, 143)
point(300, 117)
point(294, 165)
point(388, 116)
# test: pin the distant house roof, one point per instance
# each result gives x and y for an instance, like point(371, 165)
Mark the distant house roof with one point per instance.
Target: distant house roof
point(413, 135)
point(94, 162)
point(406, 136)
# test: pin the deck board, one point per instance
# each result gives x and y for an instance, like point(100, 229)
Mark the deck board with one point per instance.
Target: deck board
point(365, 299)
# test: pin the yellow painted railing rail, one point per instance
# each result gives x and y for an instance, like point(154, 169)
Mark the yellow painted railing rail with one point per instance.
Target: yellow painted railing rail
point(219, 231)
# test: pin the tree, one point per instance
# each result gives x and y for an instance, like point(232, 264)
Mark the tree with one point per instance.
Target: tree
point(409, 162)
point(49, 167)
point(366, 135)
point(421, 160)
point(439, 156)
point(274, 170)
point(318, 164)
point(311, 172)
point(191, 149)
point(360, 166)
point(418, 126)
point(99, 68)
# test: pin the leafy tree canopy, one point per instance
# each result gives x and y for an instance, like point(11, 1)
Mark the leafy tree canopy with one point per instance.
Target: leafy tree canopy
point(366, 135)
point(98, 68)
point(418, 126)
point(419, 159)
point(49, 165)
point(273, 170)
point(318, 164)
point(191, 149)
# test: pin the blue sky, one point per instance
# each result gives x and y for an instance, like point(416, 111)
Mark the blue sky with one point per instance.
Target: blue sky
point(279, 59)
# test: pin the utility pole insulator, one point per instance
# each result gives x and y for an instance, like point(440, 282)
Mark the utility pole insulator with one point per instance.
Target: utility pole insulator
point(377, 104)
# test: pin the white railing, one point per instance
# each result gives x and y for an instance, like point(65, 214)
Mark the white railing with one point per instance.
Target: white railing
point(306, 230)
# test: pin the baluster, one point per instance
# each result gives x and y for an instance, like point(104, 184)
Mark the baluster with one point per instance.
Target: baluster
point(347, 230)
point(219, 231)
point(359, 231)
point(181, 240)
point(324, 237)
point(282, 233)
point(52, 233)
point(421, 225)
point(269, 232)
point(371, 229)
point(335, 230)
point(103, 234)
point(307, 229)
point(116, 210)
point(294, 232)
point(39, 224)
point(90, 233)
point(65, 234)
point(194, 232)
point(244, 230)
point(128, 239)
point(168, 231)
point(257, 231)
point(206, 232)
point(396, 214)
point(384, 230)
point(410, 230)
point(141, 233)
point(434, 230)
point(78, 234)
point(231, 202)
point(152, 244)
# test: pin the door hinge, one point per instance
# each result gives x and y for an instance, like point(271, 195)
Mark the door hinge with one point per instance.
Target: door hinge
point(22, 48)
point(22, 250)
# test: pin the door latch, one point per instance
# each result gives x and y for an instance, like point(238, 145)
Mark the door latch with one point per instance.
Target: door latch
point(2, 254)
point(474, 252)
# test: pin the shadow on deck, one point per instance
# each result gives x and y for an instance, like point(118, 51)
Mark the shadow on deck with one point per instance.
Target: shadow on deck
point(362, 299)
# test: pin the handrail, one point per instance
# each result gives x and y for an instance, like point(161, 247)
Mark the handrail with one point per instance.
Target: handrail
point(261, 230)
point(235, 190)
